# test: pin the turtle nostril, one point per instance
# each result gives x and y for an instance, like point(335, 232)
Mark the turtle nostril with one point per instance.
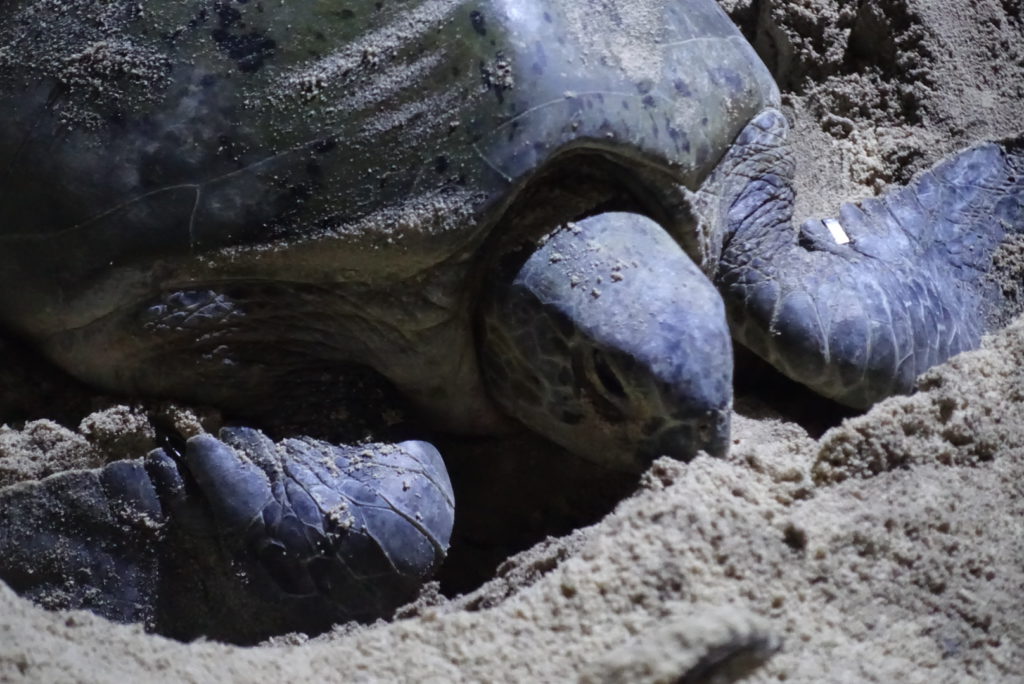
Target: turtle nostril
point(607, 376)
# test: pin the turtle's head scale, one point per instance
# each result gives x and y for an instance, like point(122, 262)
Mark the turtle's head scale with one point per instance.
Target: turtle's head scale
point(608, 339)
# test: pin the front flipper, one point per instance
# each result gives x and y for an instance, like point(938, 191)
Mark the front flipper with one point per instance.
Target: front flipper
point(237, 539)
point(362, 527)
point(858, 306)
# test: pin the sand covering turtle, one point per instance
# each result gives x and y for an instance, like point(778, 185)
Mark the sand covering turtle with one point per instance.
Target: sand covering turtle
point(225, 214)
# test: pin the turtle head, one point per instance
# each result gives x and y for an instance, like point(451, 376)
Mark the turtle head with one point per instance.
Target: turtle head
point(606, 338)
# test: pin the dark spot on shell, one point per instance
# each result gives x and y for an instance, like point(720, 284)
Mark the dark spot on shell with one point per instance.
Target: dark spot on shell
point(325, 145)
point(227, 15)
point(681, 87)
point(723, 76)
point(649, 102)
point(547, 17)
point(347, 13)
point(645, 86)
point(200, 18)
point(248, 50)
point(476, 19)
point(682, 140)
point(207, 80)
point(441, 164)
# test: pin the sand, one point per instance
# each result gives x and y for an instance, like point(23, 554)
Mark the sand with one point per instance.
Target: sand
point(891, 548)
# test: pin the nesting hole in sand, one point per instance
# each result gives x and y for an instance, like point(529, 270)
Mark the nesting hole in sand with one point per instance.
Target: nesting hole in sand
point(762, 391)
point(513, 493)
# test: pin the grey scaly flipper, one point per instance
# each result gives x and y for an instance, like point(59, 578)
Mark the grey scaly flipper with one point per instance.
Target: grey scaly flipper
point(238, 538)
point(927, 269)
point(362, 527)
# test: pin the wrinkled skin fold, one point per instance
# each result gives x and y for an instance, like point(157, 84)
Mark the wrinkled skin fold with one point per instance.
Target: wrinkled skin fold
point(238, 538)
point(928, 269)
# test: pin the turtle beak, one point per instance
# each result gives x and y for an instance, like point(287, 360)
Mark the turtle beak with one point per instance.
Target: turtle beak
point(608, 339)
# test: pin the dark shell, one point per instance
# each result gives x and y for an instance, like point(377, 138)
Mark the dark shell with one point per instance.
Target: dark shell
point(358, 154)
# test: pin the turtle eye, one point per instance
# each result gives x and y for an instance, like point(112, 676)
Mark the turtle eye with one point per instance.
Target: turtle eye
point(606, 375)
point(600, 385)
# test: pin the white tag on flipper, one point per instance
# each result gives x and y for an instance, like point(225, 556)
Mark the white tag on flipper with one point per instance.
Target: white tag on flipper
point(835, 228)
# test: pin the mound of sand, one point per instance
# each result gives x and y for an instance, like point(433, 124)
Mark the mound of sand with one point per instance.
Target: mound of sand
point(890, 549)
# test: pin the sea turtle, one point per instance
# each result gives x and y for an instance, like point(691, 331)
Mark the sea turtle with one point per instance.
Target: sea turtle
point(517, 212)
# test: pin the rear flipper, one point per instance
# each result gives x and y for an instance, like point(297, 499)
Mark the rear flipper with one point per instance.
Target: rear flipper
point(858, 306)
point(238, 538)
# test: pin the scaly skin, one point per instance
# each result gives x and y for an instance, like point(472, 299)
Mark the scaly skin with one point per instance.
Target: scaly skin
point(568, 350)
point(236, 538)
point(916, 284)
